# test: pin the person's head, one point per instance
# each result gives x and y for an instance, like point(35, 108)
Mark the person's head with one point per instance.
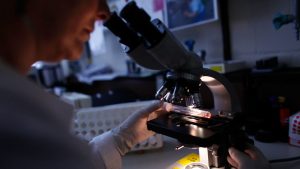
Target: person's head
point(56, 29)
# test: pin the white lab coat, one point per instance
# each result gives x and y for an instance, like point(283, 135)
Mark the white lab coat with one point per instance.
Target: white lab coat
point(35, 131)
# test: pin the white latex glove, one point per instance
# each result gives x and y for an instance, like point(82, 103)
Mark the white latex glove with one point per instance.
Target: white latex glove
point(251, 158)
point(134, 129)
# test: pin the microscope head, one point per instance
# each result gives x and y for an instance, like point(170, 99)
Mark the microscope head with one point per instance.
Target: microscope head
point(153, 46)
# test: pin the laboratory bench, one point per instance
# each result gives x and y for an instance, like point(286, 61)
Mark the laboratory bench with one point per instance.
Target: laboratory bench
point(167, 155)
point(114, 89)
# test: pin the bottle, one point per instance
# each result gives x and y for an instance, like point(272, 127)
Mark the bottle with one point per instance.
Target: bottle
point(284, 114)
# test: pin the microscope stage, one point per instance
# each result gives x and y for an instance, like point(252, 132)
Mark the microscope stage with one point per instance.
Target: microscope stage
point(191, 130)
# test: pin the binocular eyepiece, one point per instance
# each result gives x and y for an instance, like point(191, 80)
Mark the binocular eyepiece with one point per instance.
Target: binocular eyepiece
point(134, 26)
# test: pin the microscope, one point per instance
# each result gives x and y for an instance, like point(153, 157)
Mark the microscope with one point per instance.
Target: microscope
point(211, 130)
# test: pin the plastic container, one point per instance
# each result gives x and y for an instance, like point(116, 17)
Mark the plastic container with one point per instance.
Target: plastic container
point(294, 129)
point(93, 121)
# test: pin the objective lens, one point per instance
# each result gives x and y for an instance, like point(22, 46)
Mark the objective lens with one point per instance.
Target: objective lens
point(164, 89)
point(178, 95)
point(168, 97)
point(195, 100)
point(161, 93)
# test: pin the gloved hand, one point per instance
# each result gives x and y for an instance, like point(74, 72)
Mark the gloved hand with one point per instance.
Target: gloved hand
point(134, 129)
point(251, 158)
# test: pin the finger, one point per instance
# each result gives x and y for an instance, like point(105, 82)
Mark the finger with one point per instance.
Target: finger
point(167, 106)
point(237, 155)
point(164, 109)
point(154, 106)
point(255, 153)
point(232, 162)
point(157, 114)
point(252, 154)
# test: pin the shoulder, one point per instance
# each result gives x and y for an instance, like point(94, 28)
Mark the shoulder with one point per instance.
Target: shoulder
point(34, 128)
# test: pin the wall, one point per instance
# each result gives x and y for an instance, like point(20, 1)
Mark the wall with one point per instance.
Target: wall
point(208, 37)
point(112, 55)
point(253, 35)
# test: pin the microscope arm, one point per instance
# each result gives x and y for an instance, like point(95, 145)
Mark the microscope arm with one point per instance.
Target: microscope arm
point(224, 96)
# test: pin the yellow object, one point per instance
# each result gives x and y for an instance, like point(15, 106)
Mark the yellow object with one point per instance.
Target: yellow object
point(217, 69)
point(193, 157)
point(226, 66)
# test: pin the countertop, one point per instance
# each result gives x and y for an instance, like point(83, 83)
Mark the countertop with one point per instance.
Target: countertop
point(167, 155)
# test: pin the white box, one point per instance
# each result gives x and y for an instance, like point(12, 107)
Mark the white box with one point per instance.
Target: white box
point(77, 100)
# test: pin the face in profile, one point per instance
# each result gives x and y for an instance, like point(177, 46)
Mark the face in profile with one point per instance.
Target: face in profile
point(61, 27)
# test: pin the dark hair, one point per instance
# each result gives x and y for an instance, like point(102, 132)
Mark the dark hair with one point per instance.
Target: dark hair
point(20, 7)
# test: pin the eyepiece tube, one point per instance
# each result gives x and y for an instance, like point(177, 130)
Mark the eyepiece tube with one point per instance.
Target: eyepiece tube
point(134, 44)
point(140, 21)
point(119, 28)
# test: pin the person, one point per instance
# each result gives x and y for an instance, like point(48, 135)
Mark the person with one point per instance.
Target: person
point(35, 125)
